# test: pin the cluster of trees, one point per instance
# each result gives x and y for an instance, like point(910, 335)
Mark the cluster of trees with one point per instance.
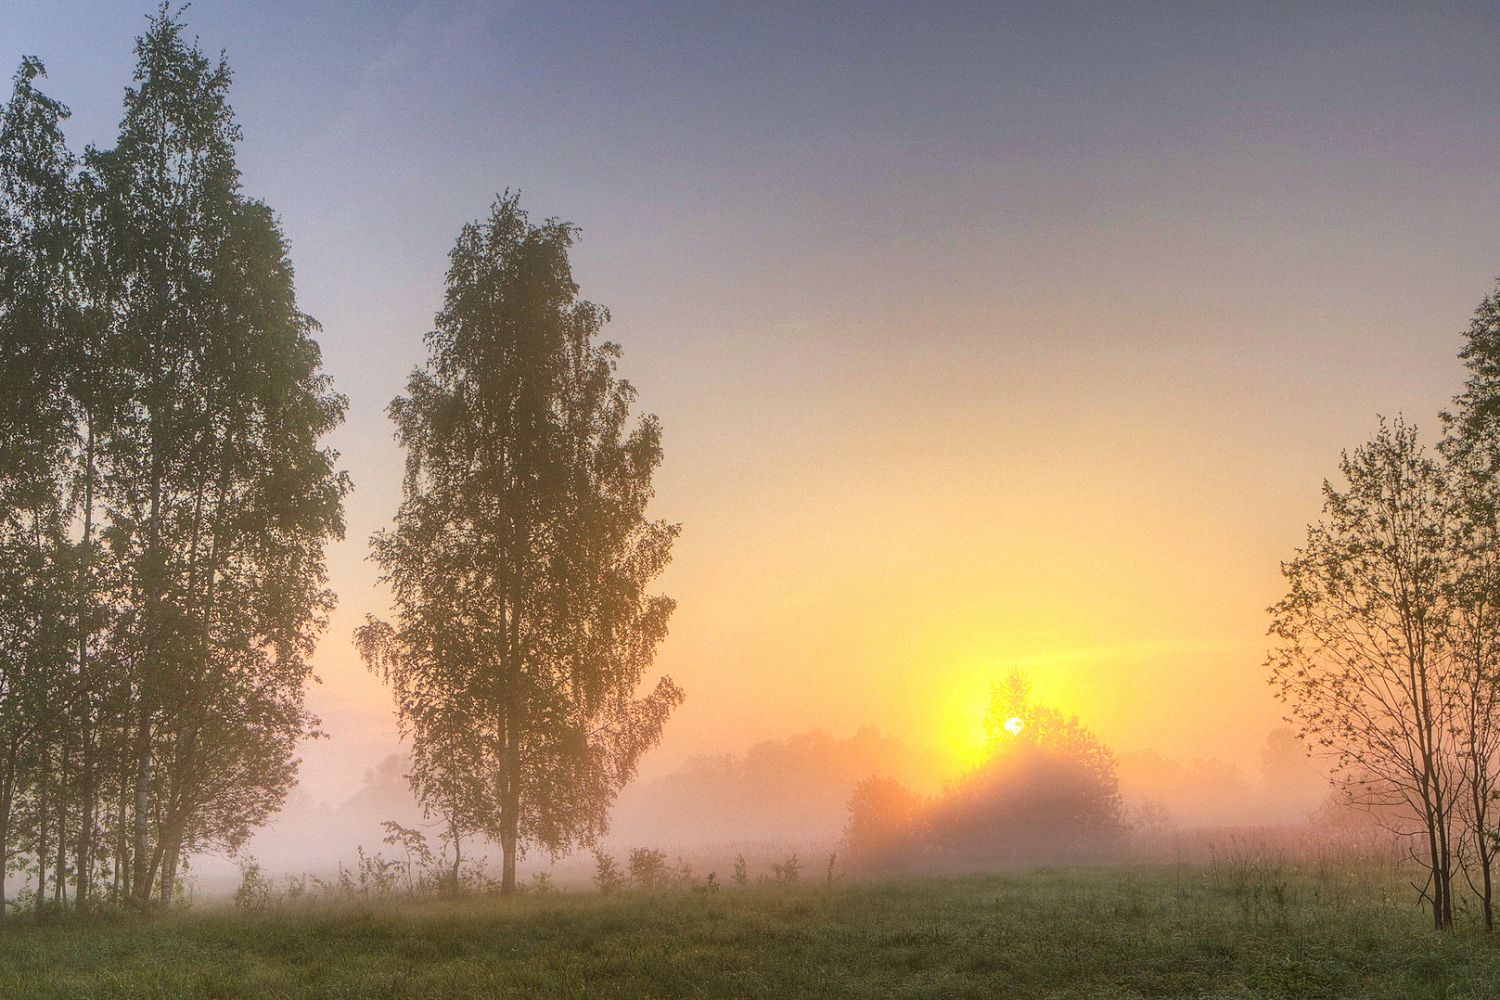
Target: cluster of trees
point(1388, 650)
point(521, 554)
point(1048, 790)
point(165, 503)
point(164, 499)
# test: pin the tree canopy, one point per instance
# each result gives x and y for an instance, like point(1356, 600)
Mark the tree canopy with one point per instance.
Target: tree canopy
point(164, 497)
point(522, 552)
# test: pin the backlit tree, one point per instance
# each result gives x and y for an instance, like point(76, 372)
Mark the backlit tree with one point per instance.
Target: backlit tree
point(522, 551)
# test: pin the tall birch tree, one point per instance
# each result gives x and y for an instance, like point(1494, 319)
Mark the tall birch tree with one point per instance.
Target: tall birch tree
point(1366, 660)
point(521, 552)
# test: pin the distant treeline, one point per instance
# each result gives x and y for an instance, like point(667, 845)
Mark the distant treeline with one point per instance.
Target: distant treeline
point(164, 499)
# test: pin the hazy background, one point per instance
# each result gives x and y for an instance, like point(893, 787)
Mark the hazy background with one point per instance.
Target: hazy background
point(990, 336)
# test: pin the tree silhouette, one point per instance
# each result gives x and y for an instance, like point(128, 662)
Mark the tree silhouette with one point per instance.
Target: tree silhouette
point(521, 552)
point(1048, 788)
point(164, 502)
point(1367, 660)
point(38, 268)
point(1471, 446)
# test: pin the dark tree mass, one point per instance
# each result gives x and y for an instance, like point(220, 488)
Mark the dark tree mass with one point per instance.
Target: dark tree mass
point(164, 499)
point(522, 553)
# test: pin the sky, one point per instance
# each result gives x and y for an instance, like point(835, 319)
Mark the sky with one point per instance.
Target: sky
point(983, 336)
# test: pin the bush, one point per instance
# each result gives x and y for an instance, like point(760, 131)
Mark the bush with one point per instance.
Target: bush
point(607, 874)
point(648, 869)
point(787, 873)
point(254, 892)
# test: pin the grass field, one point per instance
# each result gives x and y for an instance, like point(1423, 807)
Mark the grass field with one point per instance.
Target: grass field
point(1110, 932)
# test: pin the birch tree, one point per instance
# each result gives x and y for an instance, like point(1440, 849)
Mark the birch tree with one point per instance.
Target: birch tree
point(164, 497)
point(38, 266)
point(521, 553)
point(218, 495)
point(1366, 661)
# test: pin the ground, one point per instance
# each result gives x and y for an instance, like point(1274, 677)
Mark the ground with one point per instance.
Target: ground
point(1227, 931)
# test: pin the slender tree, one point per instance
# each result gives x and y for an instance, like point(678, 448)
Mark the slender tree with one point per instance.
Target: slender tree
point(522, 552)
point(1366, 660)
point(1475, 637)
point(218, 496)
point(1472, 447)
point(38, 266)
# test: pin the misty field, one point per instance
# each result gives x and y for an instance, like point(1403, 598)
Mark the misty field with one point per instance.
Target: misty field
point(1232, 931)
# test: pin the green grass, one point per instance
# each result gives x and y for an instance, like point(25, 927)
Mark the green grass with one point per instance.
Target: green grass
point(1110, 932)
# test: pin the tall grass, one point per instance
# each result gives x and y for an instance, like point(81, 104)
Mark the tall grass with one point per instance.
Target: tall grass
point(1241, 926)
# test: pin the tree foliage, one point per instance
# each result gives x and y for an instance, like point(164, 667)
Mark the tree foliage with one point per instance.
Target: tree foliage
point(1389, 636)
point(165, 499)
point(522, 552)
point(1047, 790)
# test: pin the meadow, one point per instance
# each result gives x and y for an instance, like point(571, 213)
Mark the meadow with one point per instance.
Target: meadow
point(1228, 929)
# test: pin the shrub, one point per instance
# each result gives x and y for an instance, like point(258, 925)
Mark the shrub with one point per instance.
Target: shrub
point(786, 873)
point(254, 892)
point(607, 874)
point(648, 869)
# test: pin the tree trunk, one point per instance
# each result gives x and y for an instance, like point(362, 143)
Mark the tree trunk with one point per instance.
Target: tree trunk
point(508, 852)
point(457, 853)
point(140, 881)
point(1479, 805)
point(1487, 889)
point(85, 850)
point(171, 850)
point(149, 661)
point(41, 844)
point(1444, 842)
point(122, 847)
point(60, 873)
point(7, 797)
point(83, 862)
point(509, 794)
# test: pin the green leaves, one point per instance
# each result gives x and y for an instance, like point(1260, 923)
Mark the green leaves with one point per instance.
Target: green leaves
point(176, 414)
point(522, 551)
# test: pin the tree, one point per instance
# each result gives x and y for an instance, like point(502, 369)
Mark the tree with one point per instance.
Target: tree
point(1366, 661)
point(521, 552)
point(38, 268)
point(1471, 446)
point(219, 497)
point(1474, 549)
point(883, 821)
point(164, 502)
point(1048, 788)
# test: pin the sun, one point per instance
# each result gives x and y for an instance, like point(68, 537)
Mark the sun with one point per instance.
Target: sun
point(1014, 725)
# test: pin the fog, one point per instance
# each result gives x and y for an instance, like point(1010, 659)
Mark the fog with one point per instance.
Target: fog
point(776, 798)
